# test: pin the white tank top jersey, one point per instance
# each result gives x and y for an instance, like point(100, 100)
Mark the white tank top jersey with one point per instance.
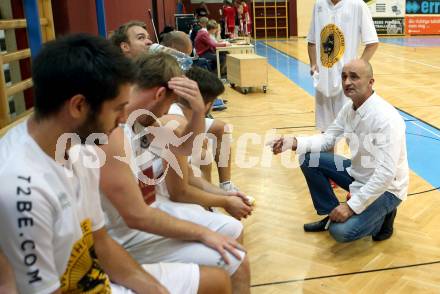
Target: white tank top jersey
point(337, 30)
point(144, 164)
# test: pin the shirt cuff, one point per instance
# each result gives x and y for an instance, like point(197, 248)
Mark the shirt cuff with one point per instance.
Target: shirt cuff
point(301, 145)
point(371, 42)
point(356, 205)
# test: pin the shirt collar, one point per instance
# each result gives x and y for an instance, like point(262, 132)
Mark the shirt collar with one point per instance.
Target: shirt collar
point(367, 105)
point(330, 3)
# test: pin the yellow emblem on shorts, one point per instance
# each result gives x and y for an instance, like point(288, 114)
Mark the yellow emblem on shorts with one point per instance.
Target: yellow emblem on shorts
point(332, 45)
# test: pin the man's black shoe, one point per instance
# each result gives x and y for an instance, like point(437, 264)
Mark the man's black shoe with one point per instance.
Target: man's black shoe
point(318, 226)
point(387, 227)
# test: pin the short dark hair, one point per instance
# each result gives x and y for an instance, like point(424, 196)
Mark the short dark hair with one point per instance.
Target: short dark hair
point(120, 34)
point(78, 64)
point(156, 69)
point(209, 84)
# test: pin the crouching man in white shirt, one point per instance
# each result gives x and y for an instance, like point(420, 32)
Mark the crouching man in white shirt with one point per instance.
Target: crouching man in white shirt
point(377, 173)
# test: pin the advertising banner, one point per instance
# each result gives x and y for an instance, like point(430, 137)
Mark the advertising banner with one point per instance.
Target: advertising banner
point(423, 7)
point(389, 25)
point(423, 25)
point(388, 16)
point(386, 8)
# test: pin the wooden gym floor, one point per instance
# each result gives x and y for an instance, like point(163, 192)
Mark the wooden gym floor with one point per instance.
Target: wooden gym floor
point(283, 258)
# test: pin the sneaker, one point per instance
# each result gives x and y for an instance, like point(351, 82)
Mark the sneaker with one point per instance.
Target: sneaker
point(218, 105)
point(228, 186)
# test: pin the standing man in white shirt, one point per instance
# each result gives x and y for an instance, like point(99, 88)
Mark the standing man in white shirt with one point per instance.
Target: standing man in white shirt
point(376, 175)
point(336, 31)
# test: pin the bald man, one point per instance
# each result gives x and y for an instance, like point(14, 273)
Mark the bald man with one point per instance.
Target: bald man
point(377, 173)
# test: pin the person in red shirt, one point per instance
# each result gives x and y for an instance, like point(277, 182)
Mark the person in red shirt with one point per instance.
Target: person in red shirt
point(238, 18)
point(205, 45)
point(246, 18)
point(229, 16)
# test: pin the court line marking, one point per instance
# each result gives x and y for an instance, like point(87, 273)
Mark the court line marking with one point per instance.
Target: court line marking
point(422, 127)
point(346, 274)
point(410, 60)
point(407, 73)
point(417, 106)
point(264, 115)
point(411, 86)
point(418, 119)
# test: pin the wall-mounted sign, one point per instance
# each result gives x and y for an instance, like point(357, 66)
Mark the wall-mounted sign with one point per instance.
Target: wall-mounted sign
point(388, 16)
point(423, 25)
point(423, 7)
point(389, 25)
point(386, 8)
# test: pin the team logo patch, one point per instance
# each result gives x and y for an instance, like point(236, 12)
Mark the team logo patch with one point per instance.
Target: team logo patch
point(84, 273)
point(332, 45)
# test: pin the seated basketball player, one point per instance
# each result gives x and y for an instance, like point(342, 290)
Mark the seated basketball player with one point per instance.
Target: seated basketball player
point(213, 88)
point(194, 188)
point(49, 198)
point(127, 181)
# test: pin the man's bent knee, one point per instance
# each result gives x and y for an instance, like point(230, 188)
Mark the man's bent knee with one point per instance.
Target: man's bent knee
point(342, 233)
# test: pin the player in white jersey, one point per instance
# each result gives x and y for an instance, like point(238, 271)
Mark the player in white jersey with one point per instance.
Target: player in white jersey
point(127, 181)
point(49, 200)
point(193, 187)
point(221, 133)
point(336, 31)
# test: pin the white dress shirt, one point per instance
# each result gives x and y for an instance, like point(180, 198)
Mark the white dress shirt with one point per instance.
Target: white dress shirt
point(375, 133)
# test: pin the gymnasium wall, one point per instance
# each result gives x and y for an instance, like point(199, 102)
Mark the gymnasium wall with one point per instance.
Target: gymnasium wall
point(80, 15)
point(304, 16)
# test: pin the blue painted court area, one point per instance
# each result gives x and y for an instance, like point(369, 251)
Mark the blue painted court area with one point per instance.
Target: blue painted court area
point(423, 140)
point(413, 41)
